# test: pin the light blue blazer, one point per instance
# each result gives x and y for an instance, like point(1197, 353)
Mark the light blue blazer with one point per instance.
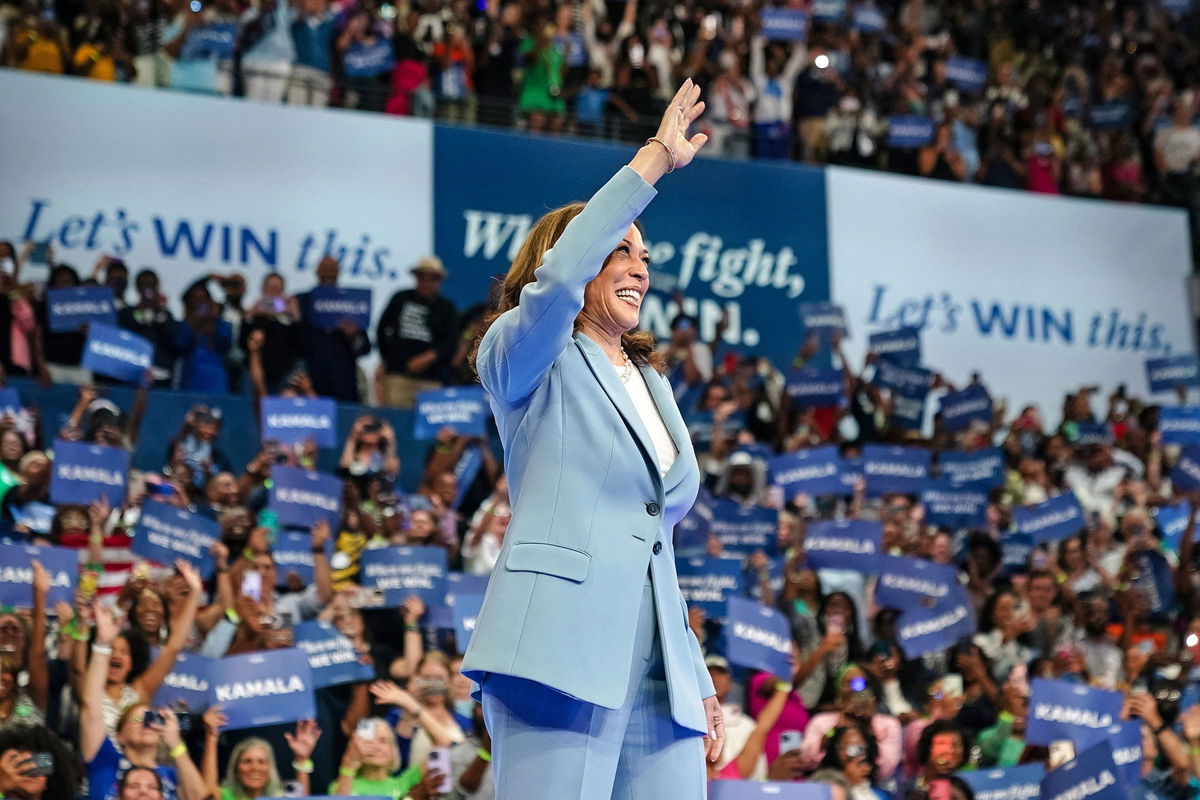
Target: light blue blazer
point(589, 505)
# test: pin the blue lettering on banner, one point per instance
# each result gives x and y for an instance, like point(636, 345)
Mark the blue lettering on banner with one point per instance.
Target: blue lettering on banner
point(462, 408)
point(757, 637)
point(921, 630)
point(1091, 775)
point(869, 19)
point(187, 684)
point(769, 790)
point(1065, 710)
point(1049, 521)
point(72, 308)
point(117, 353)
point(906, 582)
point(300, 497)
point(983, 469)
point(908, 131)
point(1014, 783)
point(953, 506)
point(896, 377)
point(264, 688)
point(368, 60)
point(16, 573)
point(403, 571)
point(829, 10)
point(709, 582)
point(466, 609)
point(292, 420)
point(292, 552)
point(744, 529)
point(908, 410)
point(1185, 474)
point(332, 305)
point(1114, 114)
point(823, 319)
point(968, 74)
point(1179, 424)
point(889, 468)
point(165, 533)
point(815, 471)
point(960, 409)
point(83, 473)
point(902, 346)
point(812, 386)
point(844, 544)
point(784, 24)
point(332, 657)
point(1165, 374)
point(1172, 521)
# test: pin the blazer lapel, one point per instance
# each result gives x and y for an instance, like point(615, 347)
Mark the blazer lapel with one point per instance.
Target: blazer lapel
point(603, 369)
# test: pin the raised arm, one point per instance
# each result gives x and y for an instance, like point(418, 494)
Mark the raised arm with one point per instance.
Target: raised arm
point(91, 723)
point(148, 683)
point(39, 669)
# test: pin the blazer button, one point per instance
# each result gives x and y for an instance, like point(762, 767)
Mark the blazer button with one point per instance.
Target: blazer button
point(657, 548)
point(652, 509)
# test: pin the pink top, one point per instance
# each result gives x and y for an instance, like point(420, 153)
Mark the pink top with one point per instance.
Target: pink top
point(793, 718)
point(22, 324)
point(1040, 176)
point(887, 737)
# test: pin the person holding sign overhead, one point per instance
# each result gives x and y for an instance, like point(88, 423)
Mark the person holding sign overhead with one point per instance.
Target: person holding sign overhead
point(591, 682)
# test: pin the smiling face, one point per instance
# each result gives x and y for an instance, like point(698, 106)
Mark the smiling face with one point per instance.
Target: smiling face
point(254, 768)
point(120, 661)
point(140, 784)
point(613, 299)
point(150, 612)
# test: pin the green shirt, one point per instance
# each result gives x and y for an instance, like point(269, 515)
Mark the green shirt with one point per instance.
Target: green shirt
point(396, 787)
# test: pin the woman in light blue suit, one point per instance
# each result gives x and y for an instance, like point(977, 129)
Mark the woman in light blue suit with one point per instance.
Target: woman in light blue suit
point(592, 684)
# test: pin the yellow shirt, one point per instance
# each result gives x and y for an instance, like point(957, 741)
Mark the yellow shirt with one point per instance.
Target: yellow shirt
point(102, 67)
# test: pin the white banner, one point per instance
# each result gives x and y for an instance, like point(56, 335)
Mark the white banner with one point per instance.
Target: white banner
point(1041, 295)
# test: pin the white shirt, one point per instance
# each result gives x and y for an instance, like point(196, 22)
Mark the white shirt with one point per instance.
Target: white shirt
point(652, 421)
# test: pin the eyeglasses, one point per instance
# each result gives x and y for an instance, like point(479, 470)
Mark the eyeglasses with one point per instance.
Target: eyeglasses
point(1168, 695)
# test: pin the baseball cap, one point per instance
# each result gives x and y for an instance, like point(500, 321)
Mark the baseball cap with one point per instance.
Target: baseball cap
point(429, 263)
point(716, 662)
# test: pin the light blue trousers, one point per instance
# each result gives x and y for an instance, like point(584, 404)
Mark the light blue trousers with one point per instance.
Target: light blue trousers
point(548, 745)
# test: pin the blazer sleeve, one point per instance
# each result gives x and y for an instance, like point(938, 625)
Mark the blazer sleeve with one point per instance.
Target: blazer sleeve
point(521, 345)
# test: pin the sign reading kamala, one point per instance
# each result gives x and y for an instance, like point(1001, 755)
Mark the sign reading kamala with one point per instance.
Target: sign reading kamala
point(186, 685)
point(902, 346)
point(921, 630)
point(869, 19)
point(264, 688)
point(1179, 424)
point(1165, 374)
point(1125, 741)
point(165, 533)
point(292, 420)
point(906, 582)
point(404, 571)
point(300, 497)
point(843, 544)
point(743, 529)
point(824, 319)
point(768, 790)
point(709, 582)
point(813, 386)
point(16, 573)
point(814, 471)
point(754, 255)
point(982, 468)
point(1185, 474)
point(333, 305)
point(757, 637)
point(464, 409)
point(901, 379)
point(1091, 775)
point(968, 74)
point(954, 506)
point(943, 259)
point(83, 473)
point(1057, 518)
point(331, 655)
point(784, 24)
point(117, 353)
point(293, 553)
point(960, 409)
point(70, 309)
point(889, 468)
point(908, 410)
point(1014, 783)
point(908, 132)
point(1064, 710)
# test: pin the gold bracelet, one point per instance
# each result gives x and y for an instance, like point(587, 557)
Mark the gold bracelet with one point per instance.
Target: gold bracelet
point(667, 147)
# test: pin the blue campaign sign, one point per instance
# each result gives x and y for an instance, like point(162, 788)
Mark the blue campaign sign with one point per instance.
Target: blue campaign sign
point(908, 410)
point(300, 497)
point(869, 19)
point(292, 420)
point(901, 346)
point(709, 582)
point(331, 655)
point(332, 305)
point(784, 24)
point(1164, 374)
point(263, 688)
point(829, 10)
point(960, 409)
point(1125, 739)
point(844, 544)
point(852, 473)
point(461, 583)
point(1176, 7)
point(403, 571)
point(70, 309)
point(165, 533)
point(1114, 114)
point(292, 552)
point(902, 379)
point(187, 684)
point(814, 386)
point(117, 353)
point(814, 471)
point(983, 468)
point(1014, 783)
point(464, 409)
point(1089, 433)
point(1155, 579)
point(83, 473)
point(921, 630)
point(1185, 474)
point(1179, 424)
point(954, 506)
point(10, 401)
point(1092, 774)
point(466, 610)
point(691, 533)
point(909, 131)
point(1016, 548)
point(757, 637)
point(906, 582)
point(889, 468)
point(824, 319)
point(368, 60)
point(16, 574)
point(744, 529)
point(769, 790)
point(1051, 520)
point(214, 40)
point(1066, 710)
point(968, 74)
point(1172, 521)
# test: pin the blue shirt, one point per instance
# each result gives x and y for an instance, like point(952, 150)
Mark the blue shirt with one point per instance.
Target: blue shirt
point(312, 37)
point(106, 769)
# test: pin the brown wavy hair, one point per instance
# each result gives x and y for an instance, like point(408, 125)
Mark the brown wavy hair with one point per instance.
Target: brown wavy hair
point(545, 232)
